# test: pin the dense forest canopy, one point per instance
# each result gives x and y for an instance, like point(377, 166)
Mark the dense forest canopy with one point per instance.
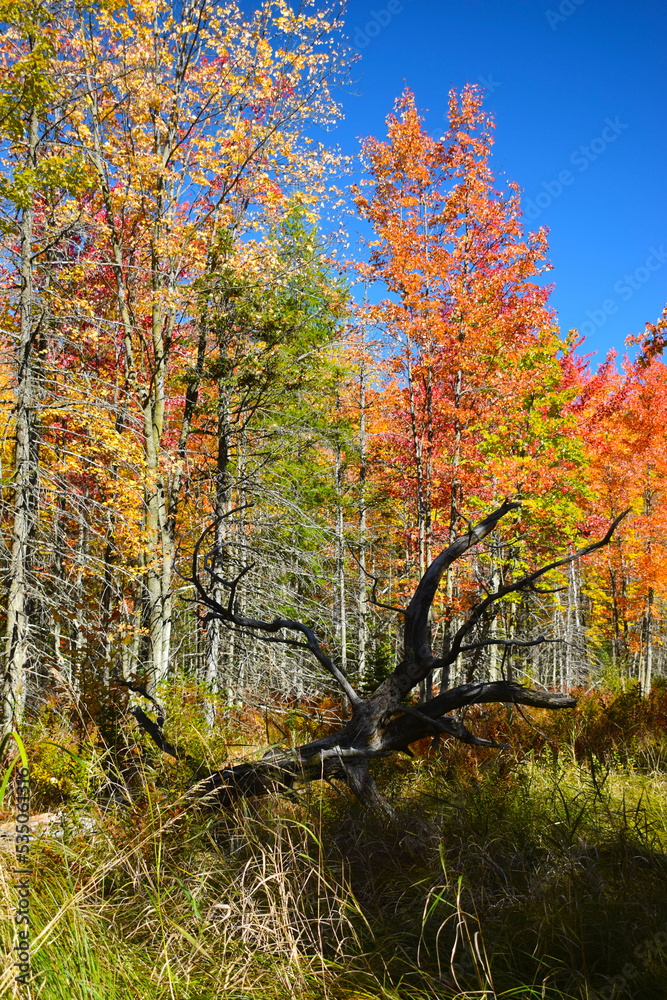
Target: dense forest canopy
point(182, 346)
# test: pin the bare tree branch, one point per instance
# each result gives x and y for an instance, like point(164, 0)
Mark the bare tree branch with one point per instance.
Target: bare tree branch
point(156, 729)
point(230, 614)
point(383, 723)
point(418, 657)
point(541, 639)
point(376, 580)
point(525, 582)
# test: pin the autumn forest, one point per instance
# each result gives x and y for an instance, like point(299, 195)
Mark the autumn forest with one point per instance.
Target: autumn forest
point(242, 370)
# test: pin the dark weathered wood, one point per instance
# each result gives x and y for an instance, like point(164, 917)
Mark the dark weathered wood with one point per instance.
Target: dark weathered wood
point(381, 724)
point(418, 655)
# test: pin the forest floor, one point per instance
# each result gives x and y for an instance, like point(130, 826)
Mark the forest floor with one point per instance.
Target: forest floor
point(538, 871)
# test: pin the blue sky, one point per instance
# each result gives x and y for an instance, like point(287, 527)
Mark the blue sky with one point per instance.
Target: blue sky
point(578, 94)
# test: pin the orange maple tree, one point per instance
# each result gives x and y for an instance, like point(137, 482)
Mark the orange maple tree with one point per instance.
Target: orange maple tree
point(474, 402)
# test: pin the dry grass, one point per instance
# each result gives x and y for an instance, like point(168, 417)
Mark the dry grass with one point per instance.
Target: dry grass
point(511, 875)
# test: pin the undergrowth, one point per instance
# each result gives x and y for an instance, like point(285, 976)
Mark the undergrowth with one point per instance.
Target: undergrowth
point(537, 871)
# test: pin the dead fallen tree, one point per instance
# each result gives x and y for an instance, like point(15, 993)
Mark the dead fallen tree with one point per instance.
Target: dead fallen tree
point(382, 723)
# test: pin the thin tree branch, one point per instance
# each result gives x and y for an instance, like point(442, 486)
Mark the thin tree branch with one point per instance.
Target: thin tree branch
point(525, 582)
point(230, 614)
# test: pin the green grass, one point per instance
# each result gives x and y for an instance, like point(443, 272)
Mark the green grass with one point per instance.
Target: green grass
point(539, 874)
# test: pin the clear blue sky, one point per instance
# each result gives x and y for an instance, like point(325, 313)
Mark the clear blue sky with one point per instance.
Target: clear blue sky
point(575, 87)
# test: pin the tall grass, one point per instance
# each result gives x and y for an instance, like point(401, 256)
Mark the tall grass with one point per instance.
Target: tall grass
point(535, 873)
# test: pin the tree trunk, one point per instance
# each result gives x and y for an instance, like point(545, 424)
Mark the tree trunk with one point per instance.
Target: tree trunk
point(221, 509)
point(494, 671)
point(645, 683)
point(341, 603)
point(15, 680)
point(361, 580)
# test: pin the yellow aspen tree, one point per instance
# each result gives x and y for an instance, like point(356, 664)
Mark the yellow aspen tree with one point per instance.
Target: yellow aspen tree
point(196, 131)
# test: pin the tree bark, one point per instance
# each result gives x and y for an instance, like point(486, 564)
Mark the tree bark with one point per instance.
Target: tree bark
point(25, 484)
point(341, 599)
point(362, 593)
